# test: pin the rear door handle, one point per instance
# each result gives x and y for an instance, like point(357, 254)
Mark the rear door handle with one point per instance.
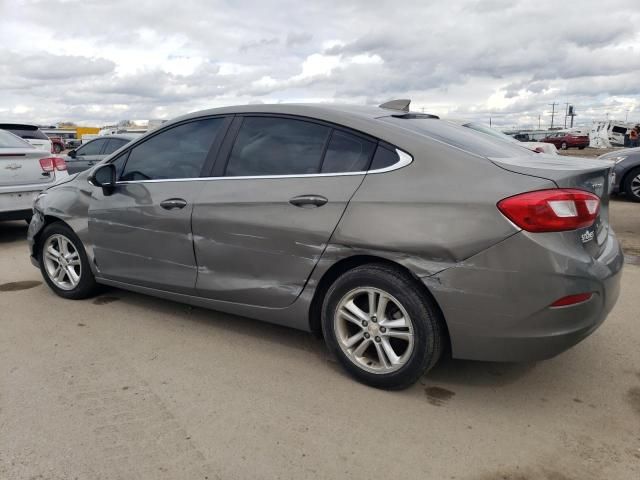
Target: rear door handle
point(308, 201)
point(172, 203)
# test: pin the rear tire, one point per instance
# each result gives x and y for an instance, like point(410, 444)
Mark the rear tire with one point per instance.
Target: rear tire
point(385, 331)
point(632, 185)
point(64, 264)
point(564, 146)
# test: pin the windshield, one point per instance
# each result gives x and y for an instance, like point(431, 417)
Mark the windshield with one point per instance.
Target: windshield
point(8, 140)
point(461, 137)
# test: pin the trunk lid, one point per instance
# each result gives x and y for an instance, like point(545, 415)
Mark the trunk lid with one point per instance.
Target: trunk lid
point(21, 166)
point(571, 172)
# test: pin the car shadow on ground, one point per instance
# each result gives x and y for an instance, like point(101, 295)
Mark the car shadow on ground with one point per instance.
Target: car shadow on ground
point(13, 231)
point(448, 371)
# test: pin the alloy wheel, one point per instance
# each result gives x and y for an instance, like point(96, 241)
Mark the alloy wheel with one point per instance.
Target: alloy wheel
point(635, 186)
point(374, 330)
point(62, 262)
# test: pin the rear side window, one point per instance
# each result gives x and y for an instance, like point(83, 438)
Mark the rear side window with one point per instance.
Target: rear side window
point(460, 137)
point(179, 152)
point(277, 146)
point(347, 153)
point(384, 158)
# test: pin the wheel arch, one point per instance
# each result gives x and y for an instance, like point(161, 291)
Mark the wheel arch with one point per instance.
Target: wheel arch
point(48, 220)
point(349, 263)
point(625, 177)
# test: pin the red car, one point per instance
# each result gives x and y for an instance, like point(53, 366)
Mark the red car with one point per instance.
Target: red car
point(564, 140)
point(57, 144)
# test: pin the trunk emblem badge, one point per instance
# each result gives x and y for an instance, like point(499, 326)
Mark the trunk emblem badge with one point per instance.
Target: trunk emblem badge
point(13, 166)
point(587, 236)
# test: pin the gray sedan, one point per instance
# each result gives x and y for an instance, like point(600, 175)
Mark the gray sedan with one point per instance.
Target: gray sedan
point(94, 151)
point(396, 235)
point(626, 172)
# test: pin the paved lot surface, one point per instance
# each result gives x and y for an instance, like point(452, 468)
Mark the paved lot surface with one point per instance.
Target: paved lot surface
point(130, 387)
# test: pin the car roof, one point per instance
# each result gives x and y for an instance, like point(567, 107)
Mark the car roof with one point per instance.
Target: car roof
point(314, 110)
point(357, 117)
point(120, 136)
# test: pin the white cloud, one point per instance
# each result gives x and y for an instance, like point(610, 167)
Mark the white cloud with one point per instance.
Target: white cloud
point(504, 59)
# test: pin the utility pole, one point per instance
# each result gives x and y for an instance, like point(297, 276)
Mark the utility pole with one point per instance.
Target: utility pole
point(572, 113)
point(539, 128)
point(553, 112)
point(566, 114)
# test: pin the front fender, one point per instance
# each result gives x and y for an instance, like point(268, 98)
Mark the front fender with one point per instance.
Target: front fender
point(69, 203)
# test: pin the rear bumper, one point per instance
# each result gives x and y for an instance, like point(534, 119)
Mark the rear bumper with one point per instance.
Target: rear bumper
point(497, 304)
point(18, 199)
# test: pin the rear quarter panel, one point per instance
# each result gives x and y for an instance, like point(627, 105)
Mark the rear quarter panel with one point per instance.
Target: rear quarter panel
point(435, 212)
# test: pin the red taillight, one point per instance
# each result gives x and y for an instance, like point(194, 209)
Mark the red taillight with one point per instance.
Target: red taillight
point(551, 210)
point(572, 299)
point(59, 163)
point(48, 164)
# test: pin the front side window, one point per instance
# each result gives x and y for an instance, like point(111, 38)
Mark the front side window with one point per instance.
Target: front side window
point(277, 146)
point(91, 148)
point(347, 153)
point(179, 152)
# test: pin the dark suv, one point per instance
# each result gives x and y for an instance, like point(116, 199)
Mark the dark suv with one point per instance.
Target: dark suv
point(565, 140)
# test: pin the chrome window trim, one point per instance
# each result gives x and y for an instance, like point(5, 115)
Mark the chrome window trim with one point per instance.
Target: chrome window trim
point(404, 160)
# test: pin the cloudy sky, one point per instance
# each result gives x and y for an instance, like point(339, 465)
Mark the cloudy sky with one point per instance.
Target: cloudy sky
point(101, 61)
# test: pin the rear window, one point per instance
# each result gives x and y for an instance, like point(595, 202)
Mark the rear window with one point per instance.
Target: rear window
point(277, 146)
point(25, 131)
point(8, 140)
point(460, 137)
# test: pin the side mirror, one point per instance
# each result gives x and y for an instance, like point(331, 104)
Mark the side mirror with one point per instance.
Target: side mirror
point(71, 153)
point(105, 176)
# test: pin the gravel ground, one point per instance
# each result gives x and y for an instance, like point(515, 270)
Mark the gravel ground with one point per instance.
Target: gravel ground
point(125, 386)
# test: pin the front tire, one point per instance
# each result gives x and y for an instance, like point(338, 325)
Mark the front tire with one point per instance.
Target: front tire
point(385, 331)
point(564, 146)
point(632, 185)
point(64, 264)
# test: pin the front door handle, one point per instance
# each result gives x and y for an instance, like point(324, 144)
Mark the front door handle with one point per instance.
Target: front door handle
point(308, 201)
point(172, 203)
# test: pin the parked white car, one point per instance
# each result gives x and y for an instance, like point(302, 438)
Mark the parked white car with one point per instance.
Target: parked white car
point(539, 147)
point(24, 172)
point(30, 133)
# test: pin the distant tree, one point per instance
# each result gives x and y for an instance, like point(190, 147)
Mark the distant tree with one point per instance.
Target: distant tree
point(67, 125)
